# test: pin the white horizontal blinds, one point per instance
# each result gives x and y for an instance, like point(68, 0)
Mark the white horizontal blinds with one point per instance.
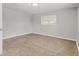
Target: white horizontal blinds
point(48, 20)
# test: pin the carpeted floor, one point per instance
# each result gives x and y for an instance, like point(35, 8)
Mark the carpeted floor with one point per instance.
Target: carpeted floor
point(38, 45)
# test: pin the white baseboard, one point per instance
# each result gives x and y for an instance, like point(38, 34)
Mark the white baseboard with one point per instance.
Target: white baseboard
point(7, 37)
point(40, 34)
point(56, 36)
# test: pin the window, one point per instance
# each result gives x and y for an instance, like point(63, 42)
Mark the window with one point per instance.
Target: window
point(48, 20)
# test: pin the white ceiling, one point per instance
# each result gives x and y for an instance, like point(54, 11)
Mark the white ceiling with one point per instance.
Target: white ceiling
point(41, 8)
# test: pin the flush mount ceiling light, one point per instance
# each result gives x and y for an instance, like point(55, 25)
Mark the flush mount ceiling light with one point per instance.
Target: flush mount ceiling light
point(35, 4)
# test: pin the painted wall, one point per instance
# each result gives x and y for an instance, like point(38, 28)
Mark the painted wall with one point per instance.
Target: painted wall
point(15, 23)
point(78, 26)
point(18, 23)
point(65, 27)
point(0, 15)
point(0, 28)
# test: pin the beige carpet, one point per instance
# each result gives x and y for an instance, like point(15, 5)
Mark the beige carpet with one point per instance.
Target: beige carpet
point(38, 45)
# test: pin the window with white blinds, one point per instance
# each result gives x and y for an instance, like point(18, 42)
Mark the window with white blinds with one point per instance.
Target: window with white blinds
point(48, 20)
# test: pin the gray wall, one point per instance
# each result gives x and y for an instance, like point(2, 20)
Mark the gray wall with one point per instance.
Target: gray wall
point(78, 26)
point(0, 15)
point(15, 23)
point(0, 28)
point(66, 24)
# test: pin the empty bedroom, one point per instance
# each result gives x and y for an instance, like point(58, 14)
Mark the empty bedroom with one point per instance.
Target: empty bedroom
point(40, 29)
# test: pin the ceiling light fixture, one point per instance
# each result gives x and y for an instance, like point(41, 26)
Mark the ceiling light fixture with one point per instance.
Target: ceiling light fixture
point(35, 4)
